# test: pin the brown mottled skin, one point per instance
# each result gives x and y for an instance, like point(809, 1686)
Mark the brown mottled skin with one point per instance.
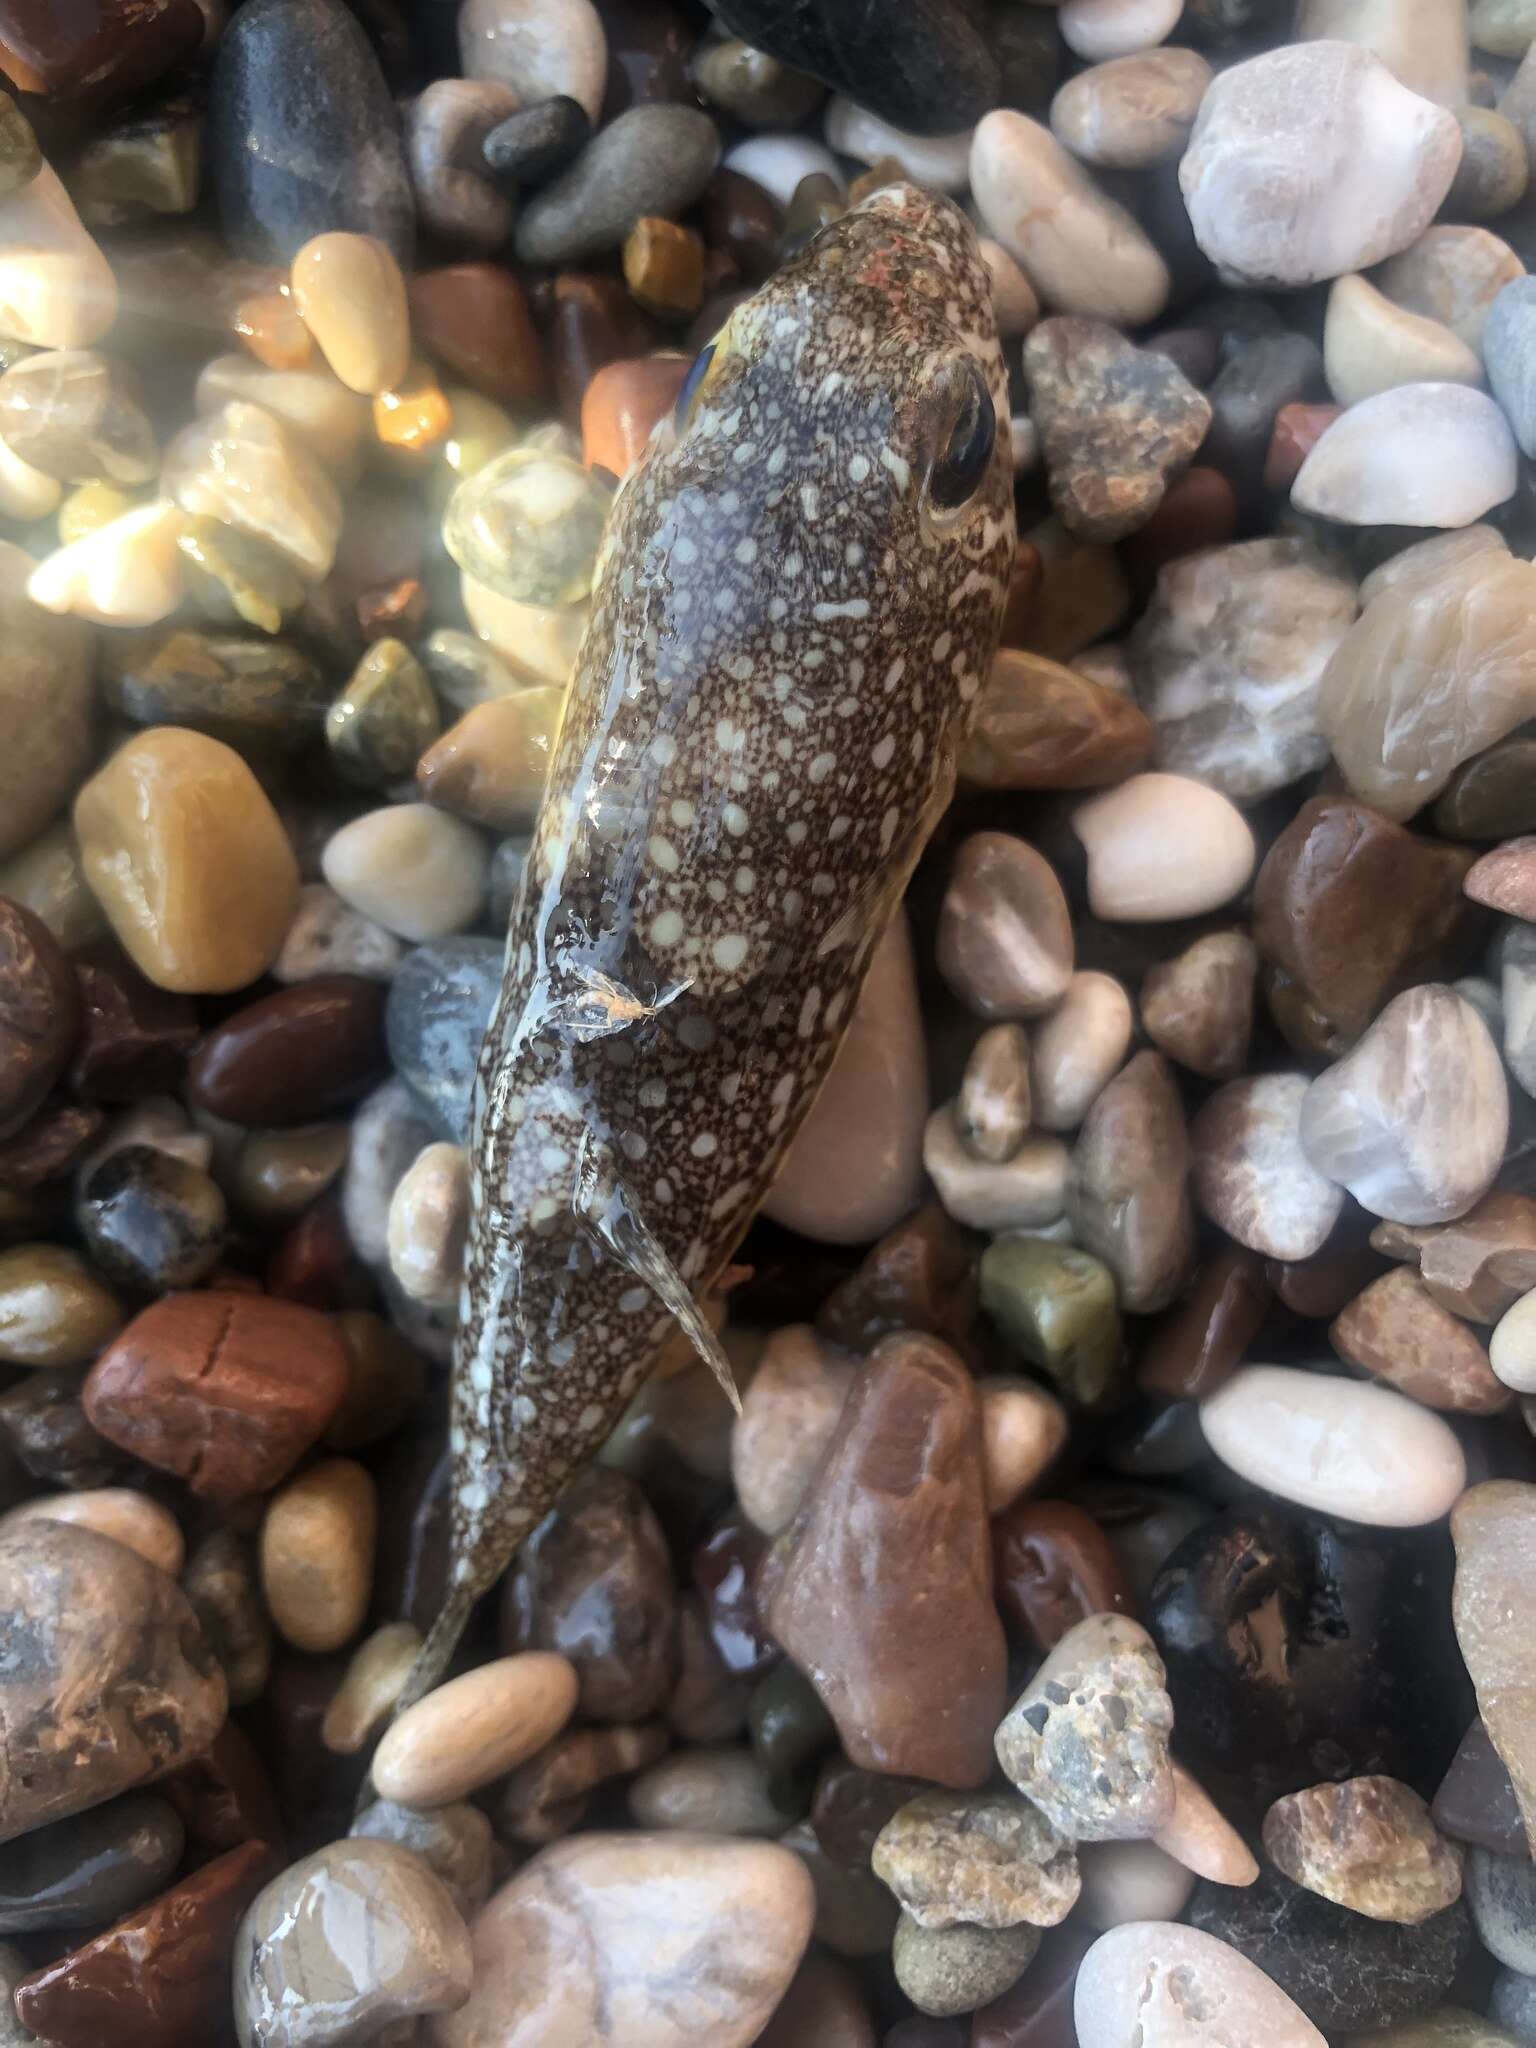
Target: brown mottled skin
point(787, 635)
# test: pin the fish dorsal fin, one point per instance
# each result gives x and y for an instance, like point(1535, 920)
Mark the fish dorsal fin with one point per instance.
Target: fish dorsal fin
point(604, 1205)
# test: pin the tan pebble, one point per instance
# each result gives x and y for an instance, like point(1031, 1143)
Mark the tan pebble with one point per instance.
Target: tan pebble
point(317, 1545)
point(370, 1685)
point(490, 765)
point(1370, 344)
point(1022, 1193)
point(1396, 1330)
point(475, 1728)
point(54, 1308)
point(410, 868)
point(1162, 846)
point(712, 1791)
point(1367, 1844)
point(121, 1512)
point(1013, 296)
point(1078, 1049)
point(1512, 1347)
point(429, 1224)
point(349, 290)
point(413, 415)
point(664, 268)
point(244, 465)
point(1198, 1007)
point(1022, 1429)
point(188, 860)
point(330, 420)
point(992, 1110)
point(788, 1415)
point(129, 572)
point(1005, 931)
point(1201, 1837)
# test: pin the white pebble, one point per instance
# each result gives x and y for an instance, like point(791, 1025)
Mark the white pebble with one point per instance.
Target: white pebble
point(1155, 1984)
point(429, 1225)
point(57, 290)
point(1421, 455)
point(1337, 1446)
point(540, 48)
point(779, 162)
point(941, 162)
point(1512, 1347)
point(1101, 29)
point(1162, 846)
point(126, 573)
point(416, 871)
point(1021, 1194)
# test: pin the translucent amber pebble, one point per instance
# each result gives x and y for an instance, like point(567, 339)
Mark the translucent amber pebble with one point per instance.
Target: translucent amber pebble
point(414, 414)
point(529, 525)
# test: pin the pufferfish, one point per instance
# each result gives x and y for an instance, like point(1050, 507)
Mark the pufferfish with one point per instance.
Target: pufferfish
point(797, 599)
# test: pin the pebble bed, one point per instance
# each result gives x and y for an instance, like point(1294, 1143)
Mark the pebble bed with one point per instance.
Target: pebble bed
point(1110, 1621)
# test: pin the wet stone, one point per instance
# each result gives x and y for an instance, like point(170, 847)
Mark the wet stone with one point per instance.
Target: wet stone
point(1054, 1566)
point(1005, 941)
point(1087, 1740)
point(594, 1582)
point(152, 1222)
point(1115, 422)
point(74, 415)
point(235, 688)
point(385, 719)
point(80, 1872)
point(45, 1424)
point(1368, 1844)
point(1398, 1331)
point(548, 1796)
point(1057, 1306)
point(39, 1014)
point(654, 159)
point(439, 1005)
point(1476, 1799)
point(1198, 1007)
point(1492, 1528)
point(350, 1939)
point(1040, 725)
point(791, 1733)
point(454, 1842)
point(1035, 2013)
point(1127, 1195)
point(1251, 1174)
point(1201, 1340)
point(991, 1861)
point(1490, 796)
point(119, 1687)
point(1348, 1973)
point(887, 1665)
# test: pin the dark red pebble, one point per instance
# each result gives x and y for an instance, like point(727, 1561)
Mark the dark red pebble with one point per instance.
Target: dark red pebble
point(1200, 1342)
point(1053, 1566)
point(1198, 511)
point(134, 1037)
point(725, 1571)
point(49, 1144)
point(291, 1057)
point(39, 1014)
point(315, 1264)
point(95, 53)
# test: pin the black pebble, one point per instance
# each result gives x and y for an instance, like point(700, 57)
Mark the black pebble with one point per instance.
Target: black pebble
point(535, 142)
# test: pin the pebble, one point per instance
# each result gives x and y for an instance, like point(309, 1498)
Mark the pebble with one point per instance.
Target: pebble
point(1087, 1739)
point(757, 89)
point(1368, 1844)
point(121, 1512)
point(429, 1226)
point(1493, 1527)
point(54, 1309)
point(1371, 345)
point(410, 868)
point(1132, 1881)
point(1228, 660)
point(1504, 879)
point(1162, 846)
point(1335, 1445)
point(1056, 1305)
point(1131, 112)
point(988, 1860)
point(454, 1842)
point(446, 129)
point(1279, 135)
point(152, 1222)
point(1420, 42)
point(121, 1689)
point(490, 766)
point(227, 1391)
point(789, 1413)
point(373, 1681)
point(344, 1942)
point(1413, 1121)
point(1348, 909)
point(330, 420)
point(1476, 1801)
point(48, 665)
point(1005, 943)
point(1040, 725)
point(992, 1109)
point(854, 1168)
point(824, 2004)
point(1080, 250)
point(278, 1174)
point(654, 159)
point(1512, 1347)
point(1509, 350)
point(80, 1872)
point(1252, 1176)
point(44, 1425)
point(385, 719)
point(159, 1975)
point(245, 692)
point(57, 289)
point(1348, 1973)
point(187, 858)
point(245, 466)
point(940, 163)
point(932, 72)
point(594, 1583)
point(317, 1547)
point(1024, 1192)
point(74, 415)
point(286, 72)
point(779, 164)
point(1103, 29)
point(1453, 275)
point(1054, 1567)
point(884, 1597)
point(1198, 1835)
point(1509, 2008)
point(1127, 1194)
point(1077, 1049)
point(475, 1728)
point(438, 1008)
point(1155, 1984)
point(538, 51)
point(129, 572)
point(1477, 1266)
point(1200, 1342)
point(1397, 1331)
point(952, 1970)
point(1427, 454)
point(220, 1582)
point(1494, 170)
point(1198, 1007)
point(706, 1791)
point(389, 1128)
point(1115, 424)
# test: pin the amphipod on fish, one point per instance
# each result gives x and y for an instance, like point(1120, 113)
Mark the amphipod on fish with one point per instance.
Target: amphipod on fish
point(798, 599)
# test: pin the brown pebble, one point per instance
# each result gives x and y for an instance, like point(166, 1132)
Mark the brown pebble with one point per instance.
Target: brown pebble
point(1005, 943)
point(1199, 510)
point(743, 221)
point(1319, 1287)
point(920, 1276)
point(134, 1037)
point(225, 1390)
point(547, 1797)
point(490, 765)
point(664, 268)
point(290, 1057)
point(1397, 1331)
point(317, 1547)
point(1040, 725)
point(1297, 431)
point(1198, 1007)
point(1054, 1566)
point(474, 318)
point(1505, 880)
point(621, 405)
point(48, 1145)
point(1128, 1185)
point(160, 1977)
point(1199, 1343)
point(1479, 1265)
point(885, 1596)
point(39, 1014)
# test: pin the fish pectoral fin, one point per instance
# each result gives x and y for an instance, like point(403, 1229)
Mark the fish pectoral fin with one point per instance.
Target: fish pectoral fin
point(617, 1226)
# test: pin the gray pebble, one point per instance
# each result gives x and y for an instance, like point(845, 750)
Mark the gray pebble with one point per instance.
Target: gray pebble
point(453, 1841)
point(388, 1130)
point(91, 1868)
point(1512, 2002)
point(445, 127)
point(1509, 356)
point(1493, 172)
point(758, 89)
point(328, 936)
point(152, 1222)
point(1500, 1892)
point(654, 159)
point(438, 1008)
point(537, 141)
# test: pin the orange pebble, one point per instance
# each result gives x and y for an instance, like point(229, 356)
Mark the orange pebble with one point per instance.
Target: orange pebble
point(269, 325)
point(622, 404)
point(415, 415)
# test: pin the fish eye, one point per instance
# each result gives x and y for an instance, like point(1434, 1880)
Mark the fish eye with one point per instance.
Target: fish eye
point(698, 370)
point(962, 463)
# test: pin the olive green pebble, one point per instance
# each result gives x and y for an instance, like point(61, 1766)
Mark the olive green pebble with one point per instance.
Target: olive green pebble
point(946, 1971)
point(1057, 1305)
point(239, 573)
point(228, 685)
point(385, 719)
point(791, 1732)
point(54, 1308)
point(528, 525)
